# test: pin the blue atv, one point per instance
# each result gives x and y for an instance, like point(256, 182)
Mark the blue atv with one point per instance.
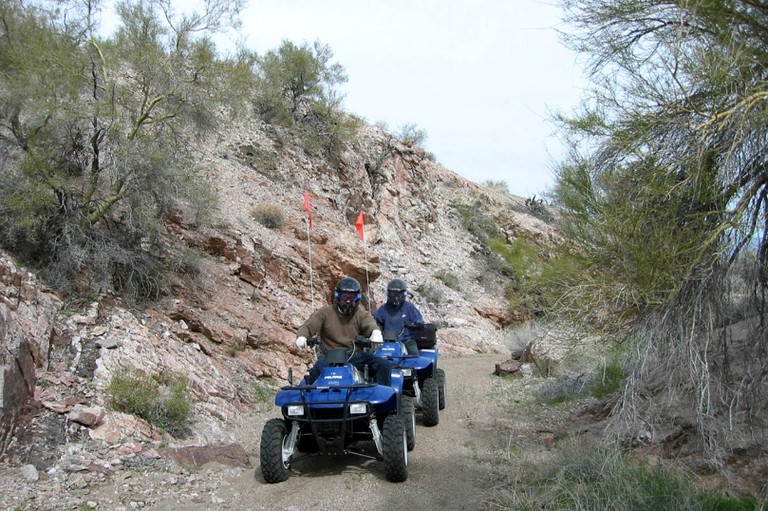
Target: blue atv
point(336, 412)
point(426, 342)
point(423, 381)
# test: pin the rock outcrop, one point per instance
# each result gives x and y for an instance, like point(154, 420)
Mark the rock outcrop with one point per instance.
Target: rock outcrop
point(230, 320)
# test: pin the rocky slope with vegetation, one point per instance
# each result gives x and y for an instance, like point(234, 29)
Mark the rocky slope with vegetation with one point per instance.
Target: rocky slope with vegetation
point(155, 195)
point(228, 324)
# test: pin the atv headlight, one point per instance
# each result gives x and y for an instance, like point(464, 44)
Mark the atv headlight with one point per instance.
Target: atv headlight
point(358, 408)
point(295, 410)
point(407, 371)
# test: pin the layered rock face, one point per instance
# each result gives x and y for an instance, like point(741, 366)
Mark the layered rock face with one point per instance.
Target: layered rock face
point(27, 312)
point(230, 328)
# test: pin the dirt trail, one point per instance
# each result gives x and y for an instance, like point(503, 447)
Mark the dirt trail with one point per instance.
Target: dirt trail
point(443, 471)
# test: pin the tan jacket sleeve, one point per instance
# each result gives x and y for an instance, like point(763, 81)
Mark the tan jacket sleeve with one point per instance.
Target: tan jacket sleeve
point(366, 321)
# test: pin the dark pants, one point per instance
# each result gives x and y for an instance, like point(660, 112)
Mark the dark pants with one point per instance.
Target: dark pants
point(411, 346)
point(378, 367)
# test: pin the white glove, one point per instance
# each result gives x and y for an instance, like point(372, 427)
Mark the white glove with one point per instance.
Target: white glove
point(301, 342)
point(376, 336)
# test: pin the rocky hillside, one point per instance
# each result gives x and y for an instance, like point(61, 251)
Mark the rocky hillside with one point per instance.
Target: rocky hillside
point(231, 318)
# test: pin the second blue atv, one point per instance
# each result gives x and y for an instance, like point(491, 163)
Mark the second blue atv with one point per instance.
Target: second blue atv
point(336, 412)
point(423, 381)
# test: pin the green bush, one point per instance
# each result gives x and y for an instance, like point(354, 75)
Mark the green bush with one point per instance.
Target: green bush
point(263, 392)
point(609, 381)
point(430, 293)
point(518, 258)
point(269, 214)
point(160, 399)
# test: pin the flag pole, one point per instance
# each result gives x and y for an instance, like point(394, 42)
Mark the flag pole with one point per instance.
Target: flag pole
point(360, 226)
point(367, 282)
point(311, 283)
point(308, 221)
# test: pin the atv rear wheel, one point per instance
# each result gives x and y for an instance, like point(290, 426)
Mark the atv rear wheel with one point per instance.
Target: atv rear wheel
point(430, 402)
point(274, 466)
point(408, 414)
point(395, 449)
point(440, 374)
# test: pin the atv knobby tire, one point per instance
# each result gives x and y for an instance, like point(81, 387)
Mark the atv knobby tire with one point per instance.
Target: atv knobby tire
point(394, 449)
point(273, 435)
point(430, 402)
point(440, 375)
point(408, 414)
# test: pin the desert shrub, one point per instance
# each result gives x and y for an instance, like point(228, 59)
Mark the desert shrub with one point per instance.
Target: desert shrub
point(263, 393)
point(586, 477)
point(518, 258)
point(269, 214)
point(159, 399)
point(474, 219)
point(562, 386)
point(448, 278)
point(608, 381)
point(499, 186)
point(411, 135)
point(430, 293)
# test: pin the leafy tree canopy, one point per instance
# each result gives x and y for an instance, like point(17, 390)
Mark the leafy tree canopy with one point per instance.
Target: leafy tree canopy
point(102, 128)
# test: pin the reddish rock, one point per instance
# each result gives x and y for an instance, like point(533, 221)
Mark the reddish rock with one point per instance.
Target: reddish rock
point(509, 367)
point(86, 415)
point(116, 427)
point(232, 455)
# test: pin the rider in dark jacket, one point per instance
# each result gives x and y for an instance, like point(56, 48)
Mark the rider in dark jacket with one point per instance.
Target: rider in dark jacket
point(400, 315)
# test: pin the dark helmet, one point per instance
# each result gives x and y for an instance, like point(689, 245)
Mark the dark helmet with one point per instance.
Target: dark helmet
point(347, 296)
point(396, 291)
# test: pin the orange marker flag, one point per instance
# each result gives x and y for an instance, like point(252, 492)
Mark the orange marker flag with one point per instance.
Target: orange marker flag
point(306, 207)
point(360, 226)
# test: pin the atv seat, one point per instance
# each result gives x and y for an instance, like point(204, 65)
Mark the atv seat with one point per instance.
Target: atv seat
point(336, 357)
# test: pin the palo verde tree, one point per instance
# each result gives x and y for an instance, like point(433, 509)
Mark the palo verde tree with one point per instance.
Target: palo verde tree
point(298, 88)
point(664, 200)
point(96, 132)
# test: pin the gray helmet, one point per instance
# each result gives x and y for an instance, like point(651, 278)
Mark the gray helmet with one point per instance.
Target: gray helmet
point(396, 292)
point(347, 296)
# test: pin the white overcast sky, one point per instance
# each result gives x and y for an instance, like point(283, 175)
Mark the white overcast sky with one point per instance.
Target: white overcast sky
point(481, 77)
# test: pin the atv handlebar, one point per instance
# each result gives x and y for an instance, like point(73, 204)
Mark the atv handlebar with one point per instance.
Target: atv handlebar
point(360, 340)
point(363, 341)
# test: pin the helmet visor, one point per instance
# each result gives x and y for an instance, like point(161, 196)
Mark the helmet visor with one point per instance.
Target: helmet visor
point(396, 297)
point(347, 296)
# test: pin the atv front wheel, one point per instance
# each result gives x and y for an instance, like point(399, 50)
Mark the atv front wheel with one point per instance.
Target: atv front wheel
point(395, 449)
point(430, 402)
point(408, 414)
point(440, 374)
point(274, 462)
